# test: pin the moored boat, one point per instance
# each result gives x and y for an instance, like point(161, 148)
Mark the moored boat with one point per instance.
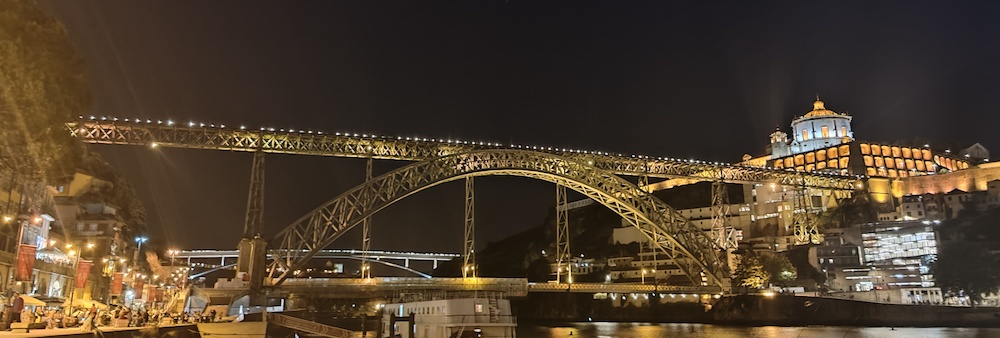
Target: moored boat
point(454, 315)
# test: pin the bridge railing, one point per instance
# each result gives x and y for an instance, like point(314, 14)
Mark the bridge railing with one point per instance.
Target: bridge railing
point(511, 287)
point(621, 288)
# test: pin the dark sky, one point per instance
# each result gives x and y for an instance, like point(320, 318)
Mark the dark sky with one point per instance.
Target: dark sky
point(699, 79)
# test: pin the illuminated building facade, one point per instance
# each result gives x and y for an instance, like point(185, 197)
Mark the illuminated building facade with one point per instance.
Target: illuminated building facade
point(892, 255)
point(824, 141)
point(820, 128)
point(901, 252)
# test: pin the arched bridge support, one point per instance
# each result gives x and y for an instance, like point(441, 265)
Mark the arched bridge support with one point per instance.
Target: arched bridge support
point(673, 235)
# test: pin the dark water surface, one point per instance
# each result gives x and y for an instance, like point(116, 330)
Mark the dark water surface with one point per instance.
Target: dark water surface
point(645, 330)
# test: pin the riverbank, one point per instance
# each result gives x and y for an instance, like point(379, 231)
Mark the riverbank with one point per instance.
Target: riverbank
point(749, 310)
point(787, 310)
point(582, 307)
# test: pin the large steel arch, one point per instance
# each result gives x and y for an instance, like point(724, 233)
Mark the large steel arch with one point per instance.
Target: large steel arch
point(671, 233)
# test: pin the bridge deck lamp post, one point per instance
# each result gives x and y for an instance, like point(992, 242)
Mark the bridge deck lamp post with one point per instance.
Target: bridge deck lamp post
point(644, 271)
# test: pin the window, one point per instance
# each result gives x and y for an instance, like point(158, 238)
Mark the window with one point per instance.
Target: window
point(843, 131)
point(805, 135)
point(825, 130)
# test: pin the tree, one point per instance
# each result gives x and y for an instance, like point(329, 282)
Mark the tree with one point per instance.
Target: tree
point(42, 86)
point(967, 267)
point(779, 268)
point(750, 272)
point(858, 209)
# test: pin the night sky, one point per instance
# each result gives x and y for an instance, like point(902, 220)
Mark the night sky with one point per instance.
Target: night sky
point(707, 80)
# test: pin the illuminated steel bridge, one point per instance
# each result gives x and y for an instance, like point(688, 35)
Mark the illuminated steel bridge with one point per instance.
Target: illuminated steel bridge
point(594, 174)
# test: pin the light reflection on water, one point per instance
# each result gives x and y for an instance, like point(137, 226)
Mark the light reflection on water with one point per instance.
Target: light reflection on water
point(646, 330)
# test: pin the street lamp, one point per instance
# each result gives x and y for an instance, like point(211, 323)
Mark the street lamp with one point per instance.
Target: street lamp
point(173, 255)
point(139, 240)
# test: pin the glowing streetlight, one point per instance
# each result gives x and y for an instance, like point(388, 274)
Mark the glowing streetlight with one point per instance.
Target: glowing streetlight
point(645, 271)
point(140, 240)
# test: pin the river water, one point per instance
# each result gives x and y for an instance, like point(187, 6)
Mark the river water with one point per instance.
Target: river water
point(645, 330)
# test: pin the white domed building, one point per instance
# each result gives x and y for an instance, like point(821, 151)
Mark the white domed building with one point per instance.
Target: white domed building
point(818, 129)
point(822, 140)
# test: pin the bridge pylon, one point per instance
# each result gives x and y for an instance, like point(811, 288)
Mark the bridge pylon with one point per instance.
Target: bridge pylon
point(564, 259)
point(366, 233)
point(252, 248)
point(469, 268)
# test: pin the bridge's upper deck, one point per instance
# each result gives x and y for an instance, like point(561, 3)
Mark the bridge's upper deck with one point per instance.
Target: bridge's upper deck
point(303, 142)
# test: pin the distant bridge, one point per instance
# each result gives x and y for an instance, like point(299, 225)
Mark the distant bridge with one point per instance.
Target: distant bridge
point(406, 257)
point(227, 258)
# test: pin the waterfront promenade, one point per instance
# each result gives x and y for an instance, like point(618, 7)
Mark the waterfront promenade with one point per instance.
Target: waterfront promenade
point(230, 330)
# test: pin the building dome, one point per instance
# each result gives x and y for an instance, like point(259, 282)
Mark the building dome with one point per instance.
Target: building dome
point(819, 128)
point(820, 110)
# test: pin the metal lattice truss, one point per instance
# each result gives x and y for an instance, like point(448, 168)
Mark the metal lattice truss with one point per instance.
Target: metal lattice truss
point(564, 257)
point(694, 252)
point(399, 148)
point(469, 248)
point(722, 229)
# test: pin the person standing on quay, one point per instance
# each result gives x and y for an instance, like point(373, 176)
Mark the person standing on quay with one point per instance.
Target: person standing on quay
point(88, 324)
point(16, 305)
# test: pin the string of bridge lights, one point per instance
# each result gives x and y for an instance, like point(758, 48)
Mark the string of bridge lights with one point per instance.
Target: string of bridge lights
point(171, 123)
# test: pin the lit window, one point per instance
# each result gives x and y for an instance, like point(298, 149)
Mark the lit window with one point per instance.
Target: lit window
point(826, 131)
point(805, 135)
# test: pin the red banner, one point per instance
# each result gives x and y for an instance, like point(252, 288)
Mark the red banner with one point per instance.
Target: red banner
point(25, 262)
point(82, 271)
point(116, 284)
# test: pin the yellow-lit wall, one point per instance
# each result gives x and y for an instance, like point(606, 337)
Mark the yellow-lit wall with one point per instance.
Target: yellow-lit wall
point(872, 160)
point(832, 158)
point(972, 179)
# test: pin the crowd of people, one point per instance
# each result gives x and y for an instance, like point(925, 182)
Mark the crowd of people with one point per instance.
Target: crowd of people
point(89, 318)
